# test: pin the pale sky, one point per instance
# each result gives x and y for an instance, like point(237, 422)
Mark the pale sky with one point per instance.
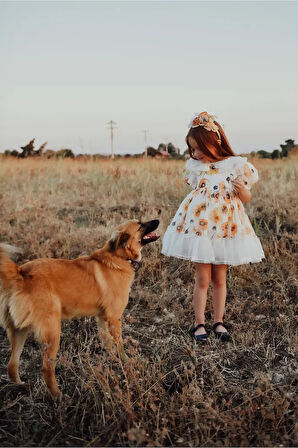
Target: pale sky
point(67, 68)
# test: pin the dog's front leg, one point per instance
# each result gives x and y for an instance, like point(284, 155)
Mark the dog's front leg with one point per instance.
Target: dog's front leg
point(114, 326)
point(110, 333)
point(104, 333)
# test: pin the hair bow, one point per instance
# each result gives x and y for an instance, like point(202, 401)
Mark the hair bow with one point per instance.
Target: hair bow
point(205, 120)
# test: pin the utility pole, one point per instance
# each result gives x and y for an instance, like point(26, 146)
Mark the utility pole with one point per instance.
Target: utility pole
point(145, 137)
point(111, 123)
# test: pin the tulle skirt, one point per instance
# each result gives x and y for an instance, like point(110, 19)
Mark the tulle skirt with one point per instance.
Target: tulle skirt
point(203, 249)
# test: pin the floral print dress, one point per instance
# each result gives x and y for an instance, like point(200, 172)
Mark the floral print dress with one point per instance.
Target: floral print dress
point(211, 225)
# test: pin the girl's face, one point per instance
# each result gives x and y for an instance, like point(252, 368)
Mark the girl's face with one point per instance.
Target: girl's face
point(197, 153)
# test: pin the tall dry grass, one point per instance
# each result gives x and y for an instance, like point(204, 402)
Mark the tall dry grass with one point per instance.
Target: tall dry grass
point(170, 392)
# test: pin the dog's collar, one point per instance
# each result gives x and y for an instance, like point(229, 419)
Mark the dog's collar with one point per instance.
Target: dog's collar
point(135, 264)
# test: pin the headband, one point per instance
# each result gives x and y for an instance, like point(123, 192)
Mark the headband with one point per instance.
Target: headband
point(205, 120)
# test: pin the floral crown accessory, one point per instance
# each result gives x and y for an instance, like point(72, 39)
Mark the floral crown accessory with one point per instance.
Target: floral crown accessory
point(205, 120)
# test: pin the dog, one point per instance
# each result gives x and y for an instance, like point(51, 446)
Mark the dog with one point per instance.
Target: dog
point(39, 294)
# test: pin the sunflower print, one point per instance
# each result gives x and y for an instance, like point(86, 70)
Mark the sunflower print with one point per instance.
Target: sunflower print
point(227, 197)
point(187, 204)
point(197, 211)
point(203, 224)
point(222, 187)
point(212, 210)
point(180, 228)
point(212, 170)
point(224, 209)
point(203, 183)
point(225, 229)
point(233, 229)
point(215, 215)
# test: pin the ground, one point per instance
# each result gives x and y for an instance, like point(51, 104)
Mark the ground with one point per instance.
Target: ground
point(170, 391)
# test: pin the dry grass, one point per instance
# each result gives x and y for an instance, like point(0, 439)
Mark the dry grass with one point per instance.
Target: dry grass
point(170, 391)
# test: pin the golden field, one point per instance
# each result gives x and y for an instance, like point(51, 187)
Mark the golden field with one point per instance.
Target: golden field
point(170, 391)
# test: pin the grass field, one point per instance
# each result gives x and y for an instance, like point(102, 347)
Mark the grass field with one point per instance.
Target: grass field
point(170, 392)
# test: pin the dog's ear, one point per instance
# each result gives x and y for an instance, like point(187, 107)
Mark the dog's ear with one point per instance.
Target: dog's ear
point(118, 241)
point(112, 245)
point(124, 237)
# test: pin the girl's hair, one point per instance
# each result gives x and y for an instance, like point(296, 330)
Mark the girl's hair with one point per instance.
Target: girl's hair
point(209, 143)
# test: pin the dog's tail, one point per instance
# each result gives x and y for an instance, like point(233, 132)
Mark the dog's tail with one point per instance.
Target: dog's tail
point(9, 271)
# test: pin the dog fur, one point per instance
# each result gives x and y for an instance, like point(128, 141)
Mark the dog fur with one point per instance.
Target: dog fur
point(38, 294)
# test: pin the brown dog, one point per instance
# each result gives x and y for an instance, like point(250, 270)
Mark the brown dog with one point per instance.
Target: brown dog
point(38, 294)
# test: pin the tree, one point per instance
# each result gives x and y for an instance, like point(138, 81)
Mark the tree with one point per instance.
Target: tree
point(64, 153)
point(10, 153)
point(264, 154)
point(151, 151)
point(40, 149)
point(49, 154)
point(28, 150)
point(162, 147)
point(276, 154)
point(284, 151)
point(289, 144)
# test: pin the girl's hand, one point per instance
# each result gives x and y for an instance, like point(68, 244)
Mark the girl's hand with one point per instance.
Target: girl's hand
point(238, 185)
point(240, 190)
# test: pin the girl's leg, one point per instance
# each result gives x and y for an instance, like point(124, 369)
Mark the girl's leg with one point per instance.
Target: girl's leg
point(202, 280)
point(219, 278)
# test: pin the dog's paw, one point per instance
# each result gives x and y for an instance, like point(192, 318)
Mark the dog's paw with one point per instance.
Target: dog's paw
point(56, 395)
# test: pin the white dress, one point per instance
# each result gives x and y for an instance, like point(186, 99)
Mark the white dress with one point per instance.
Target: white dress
point(211, 225)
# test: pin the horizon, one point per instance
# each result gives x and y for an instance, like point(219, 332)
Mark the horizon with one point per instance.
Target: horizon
point(68, 68)
point(108, 154)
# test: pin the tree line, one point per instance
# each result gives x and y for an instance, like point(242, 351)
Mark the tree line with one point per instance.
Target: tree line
point(277, 153)
point(163, 150)
point(29, 151)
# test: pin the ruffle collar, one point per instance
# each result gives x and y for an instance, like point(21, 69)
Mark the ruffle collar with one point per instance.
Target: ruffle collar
point(215, 167)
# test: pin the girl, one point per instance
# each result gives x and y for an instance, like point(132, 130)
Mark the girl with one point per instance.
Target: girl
point(211, 227)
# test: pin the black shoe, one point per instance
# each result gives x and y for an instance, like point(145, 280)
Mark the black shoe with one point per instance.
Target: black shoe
point(199, 337)
point(223, 336)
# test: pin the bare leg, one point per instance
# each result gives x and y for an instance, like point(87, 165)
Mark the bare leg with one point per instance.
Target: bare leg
point(219, 279)
point(202, 280)
point(17, 340)
point(51, 342)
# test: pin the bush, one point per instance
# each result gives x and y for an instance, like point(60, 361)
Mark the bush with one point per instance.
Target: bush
point(11, 153)
point(264, 154)
point(276, 154)
point(64, 153)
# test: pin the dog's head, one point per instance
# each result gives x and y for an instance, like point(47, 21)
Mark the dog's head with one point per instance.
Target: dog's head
point(130, 237)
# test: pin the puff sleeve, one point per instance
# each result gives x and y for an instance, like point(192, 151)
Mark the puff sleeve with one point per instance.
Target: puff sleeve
point(190, 177)
point(249, 175)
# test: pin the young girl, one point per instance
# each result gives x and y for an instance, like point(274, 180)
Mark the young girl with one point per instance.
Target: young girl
point(211, 227)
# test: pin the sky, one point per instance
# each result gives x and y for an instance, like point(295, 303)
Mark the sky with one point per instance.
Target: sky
point(69, 67)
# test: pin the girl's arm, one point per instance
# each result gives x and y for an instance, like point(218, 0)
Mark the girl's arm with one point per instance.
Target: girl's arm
point(241, 191)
